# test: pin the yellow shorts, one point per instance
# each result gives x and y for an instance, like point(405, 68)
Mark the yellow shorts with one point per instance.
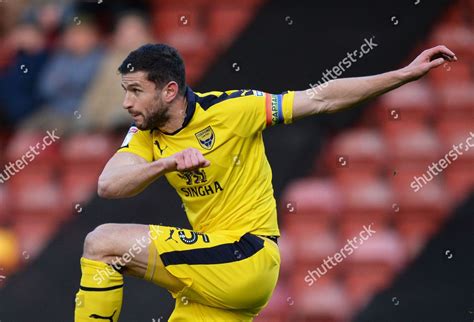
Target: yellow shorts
point(227, 277)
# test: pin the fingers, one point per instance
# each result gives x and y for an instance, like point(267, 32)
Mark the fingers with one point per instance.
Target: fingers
point(441, 52)
point(202, 161)
point(190, 159)
point(437, 62)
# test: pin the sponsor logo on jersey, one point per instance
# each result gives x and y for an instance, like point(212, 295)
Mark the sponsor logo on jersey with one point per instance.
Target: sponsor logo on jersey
point(206, 138)
point(201, 191)
point(257, 93)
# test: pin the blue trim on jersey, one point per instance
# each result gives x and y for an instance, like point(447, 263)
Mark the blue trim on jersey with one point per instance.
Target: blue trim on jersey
point(210, 100)
point(280, 109)
point(191, 98)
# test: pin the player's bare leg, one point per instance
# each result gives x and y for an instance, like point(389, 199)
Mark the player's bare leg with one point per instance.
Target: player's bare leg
point(110, 251)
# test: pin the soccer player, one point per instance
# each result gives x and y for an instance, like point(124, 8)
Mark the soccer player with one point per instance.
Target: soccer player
point(209, 147)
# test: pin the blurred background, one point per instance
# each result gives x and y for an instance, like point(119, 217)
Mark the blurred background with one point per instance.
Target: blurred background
point(332, 174)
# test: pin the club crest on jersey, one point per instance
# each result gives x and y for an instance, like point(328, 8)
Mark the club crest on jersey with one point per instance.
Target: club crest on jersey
point(206, 138)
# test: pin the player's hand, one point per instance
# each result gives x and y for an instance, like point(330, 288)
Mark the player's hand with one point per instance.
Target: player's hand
point(429, 59)
point(186, 160)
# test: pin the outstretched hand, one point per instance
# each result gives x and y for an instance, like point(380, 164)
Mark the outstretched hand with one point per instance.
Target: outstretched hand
point(429, 59)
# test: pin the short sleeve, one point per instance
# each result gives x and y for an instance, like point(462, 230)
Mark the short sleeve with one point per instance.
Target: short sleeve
point(138, 142)
point(279, 108)
point(254, 110)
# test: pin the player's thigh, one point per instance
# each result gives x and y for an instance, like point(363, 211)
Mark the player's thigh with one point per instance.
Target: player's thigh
point(186, 310)
point(128, 246)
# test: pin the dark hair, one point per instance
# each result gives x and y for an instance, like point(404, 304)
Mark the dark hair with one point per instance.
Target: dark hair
point(161, 62)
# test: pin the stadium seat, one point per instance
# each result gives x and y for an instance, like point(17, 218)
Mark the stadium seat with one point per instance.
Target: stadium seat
point(311, 248)
point(456, 102)
point(22, 142)
point(458, 37)
point(456, 132)
point(411, 102)
point(90, 149)
point(287, 256)
point(37, 197)
point(412, 145)
point(310, 201)
point(321, 303)
point(356, 154)
point(459, 181)
point(415, 232)
point(430, 201)
point(170, 17)
point(34, 231)
point(366, 202)
point(226, 22)
point(450, 74)
point(4, 205)
point(78, 186)
point(372, 265)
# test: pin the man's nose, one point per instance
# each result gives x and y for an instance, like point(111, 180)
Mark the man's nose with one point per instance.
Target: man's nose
point(127, 102)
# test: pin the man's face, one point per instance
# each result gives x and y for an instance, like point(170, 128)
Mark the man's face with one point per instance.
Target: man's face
point(143, 101)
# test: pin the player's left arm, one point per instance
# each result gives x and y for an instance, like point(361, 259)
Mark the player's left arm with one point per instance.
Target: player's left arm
point(343, 93)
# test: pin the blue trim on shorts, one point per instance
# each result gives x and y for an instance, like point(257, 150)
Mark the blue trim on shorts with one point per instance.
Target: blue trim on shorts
point(246, 247)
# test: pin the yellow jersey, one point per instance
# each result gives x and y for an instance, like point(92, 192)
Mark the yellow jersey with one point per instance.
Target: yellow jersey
point(235, 192)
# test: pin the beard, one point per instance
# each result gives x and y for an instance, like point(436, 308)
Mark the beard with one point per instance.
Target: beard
point(157, 118)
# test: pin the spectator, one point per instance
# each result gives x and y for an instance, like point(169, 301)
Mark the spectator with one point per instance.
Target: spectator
point(100, 111)
point(67, 76)
point(18, 94)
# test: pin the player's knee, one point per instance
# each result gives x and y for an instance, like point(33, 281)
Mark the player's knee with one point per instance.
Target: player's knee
point(95, 243)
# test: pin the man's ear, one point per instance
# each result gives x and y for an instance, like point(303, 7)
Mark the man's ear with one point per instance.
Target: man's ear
point(170, 91)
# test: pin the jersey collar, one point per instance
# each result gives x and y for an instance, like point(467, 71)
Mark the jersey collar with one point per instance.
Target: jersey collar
point(191, 99)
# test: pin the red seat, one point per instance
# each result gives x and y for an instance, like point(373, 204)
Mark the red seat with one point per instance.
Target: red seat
point(449, 74)
point(287, 255)
point(411, 102)
point(373, 264)
point(322, 303)
point(34, 231)
point(459, 181)
point(459, 38)
point(78, 186)
point(456, 102)
point(415, 232)
point(314, 247)
point(367, 201)
point(356, 154)
point(88, 149)
point(37, 197)
point(429, 201)
point(310, 201)
point(226, 22)
point(413, 145)
point(4, 205)
point(33, 148)
point(173, 17)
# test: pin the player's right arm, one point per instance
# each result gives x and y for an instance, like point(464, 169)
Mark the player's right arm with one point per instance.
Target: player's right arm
point(127, 174)
point(132, 168)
